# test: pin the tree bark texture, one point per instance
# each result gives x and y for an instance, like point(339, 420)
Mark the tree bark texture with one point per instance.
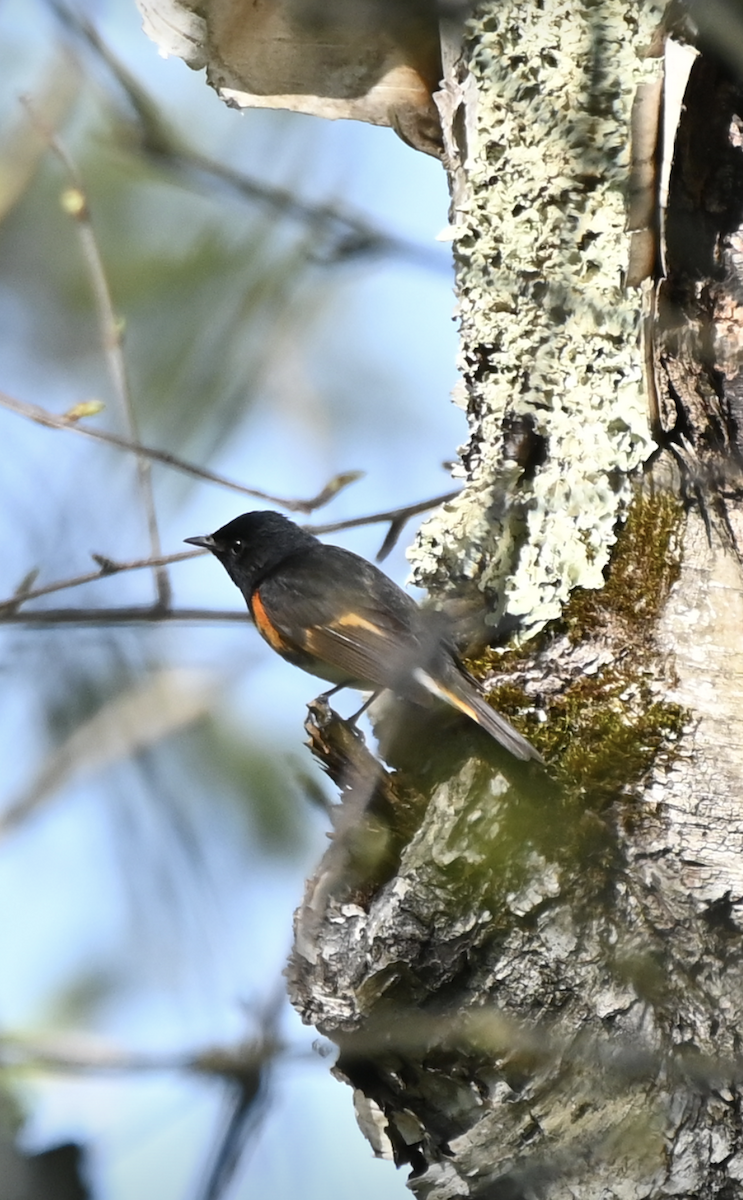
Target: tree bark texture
point(535, 976)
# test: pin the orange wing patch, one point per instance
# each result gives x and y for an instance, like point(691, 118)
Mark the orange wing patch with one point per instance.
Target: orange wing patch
point(265, 628)
point(317, 640)
point(352, 620)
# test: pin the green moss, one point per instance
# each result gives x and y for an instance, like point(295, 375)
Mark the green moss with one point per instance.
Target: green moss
point(510, 699)
point(604, 731)
point(643, 567)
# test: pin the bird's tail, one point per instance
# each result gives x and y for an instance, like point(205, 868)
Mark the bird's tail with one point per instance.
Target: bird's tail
point(465, 696)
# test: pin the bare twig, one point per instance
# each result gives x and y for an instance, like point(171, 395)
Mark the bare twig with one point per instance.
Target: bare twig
point(33, 412)
point(75, 203)
point(391, 540)
point(107, 567)
point(394, 514)
point(397, 518)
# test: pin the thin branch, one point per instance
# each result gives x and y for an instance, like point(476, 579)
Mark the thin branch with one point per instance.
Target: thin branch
point(42, 416)
point(394, 514)
point(397, 518)
point(10, 608)
point(341, 237)
point(107, 567)
point(75, 203)
point(135, 615)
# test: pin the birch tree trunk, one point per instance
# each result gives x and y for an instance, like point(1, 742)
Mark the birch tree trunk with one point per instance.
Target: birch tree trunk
point(535, 978)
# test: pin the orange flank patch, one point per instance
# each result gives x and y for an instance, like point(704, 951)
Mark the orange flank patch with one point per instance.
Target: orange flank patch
point(265, 627)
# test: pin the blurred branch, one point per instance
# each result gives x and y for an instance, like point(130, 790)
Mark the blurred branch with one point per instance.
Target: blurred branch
point(247, 1101)
point(52, 421)
point(23, 148)
point(487, 1031)
point(245, 1068)
point(339, 235)
point(52, 1054)
point(75, 204)
point(124, 726)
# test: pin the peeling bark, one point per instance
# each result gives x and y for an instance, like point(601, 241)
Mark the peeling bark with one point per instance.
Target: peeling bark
point(366, 60)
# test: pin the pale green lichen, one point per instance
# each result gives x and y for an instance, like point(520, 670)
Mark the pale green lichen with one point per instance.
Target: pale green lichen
point(547, 327)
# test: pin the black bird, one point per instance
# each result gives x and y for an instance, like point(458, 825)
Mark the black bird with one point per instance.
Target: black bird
point(338, 616)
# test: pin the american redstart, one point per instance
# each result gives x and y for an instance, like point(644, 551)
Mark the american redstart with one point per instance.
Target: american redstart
point(338, 616)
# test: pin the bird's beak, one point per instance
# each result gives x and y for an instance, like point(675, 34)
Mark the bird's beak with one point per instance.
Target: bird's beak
point(207, 542)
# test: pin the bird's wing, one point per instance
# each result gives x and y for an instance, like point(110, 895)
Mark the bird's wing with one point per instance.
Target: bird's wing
point(342, 610)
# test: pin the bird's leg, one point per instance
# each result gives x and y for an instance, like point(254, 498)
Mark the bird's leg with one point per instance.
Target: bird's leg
point(367, 704)
point(323, 699)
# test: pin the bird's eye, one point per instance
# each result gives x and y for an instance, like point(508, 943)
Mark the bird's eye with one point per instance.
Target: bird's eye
point(238, 546)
